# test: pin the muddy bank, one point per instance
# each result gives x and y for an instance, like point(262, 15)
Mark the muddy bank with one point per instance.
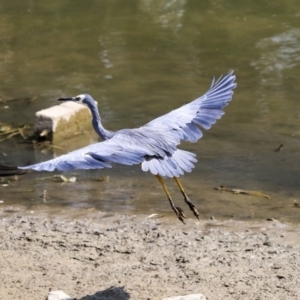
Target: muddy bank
point(87, 253)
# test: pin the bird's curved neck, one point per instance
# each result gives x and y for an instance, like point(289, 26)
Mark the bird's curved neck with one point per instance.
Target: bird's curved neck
point(96, 122)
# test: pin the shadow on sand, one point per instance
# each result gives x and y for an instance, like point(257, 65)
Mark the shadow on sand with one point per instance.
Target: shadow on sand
point(112, 293)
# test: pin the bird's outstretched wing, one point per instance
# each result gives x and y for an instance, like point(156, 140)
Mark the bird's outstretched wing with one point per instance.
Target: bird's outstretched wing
point(127, 147)
point(155, 151)
point(95, 156)
point(203, 111)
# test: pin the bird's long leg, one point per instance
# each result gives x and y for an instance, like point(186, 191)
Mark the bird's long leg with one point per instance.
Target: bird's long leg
point(178, 211)
point(186, 198)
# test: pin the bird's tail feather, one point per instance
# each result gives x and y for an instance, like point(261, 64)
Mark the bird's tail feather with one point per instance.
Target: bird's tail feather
point(10, 171)
point(181, 161)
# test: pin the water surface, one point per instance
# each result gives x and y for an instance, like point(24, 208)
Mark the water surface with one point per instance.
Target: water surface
point(140, 59)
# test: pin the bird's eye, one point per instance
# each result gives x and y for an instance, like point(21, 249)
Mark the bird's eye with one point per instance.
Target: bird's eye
point(77, 98)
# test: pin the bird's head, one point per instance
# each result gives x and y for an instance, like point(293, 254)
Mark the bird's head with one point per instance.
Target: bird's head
point(83, 98)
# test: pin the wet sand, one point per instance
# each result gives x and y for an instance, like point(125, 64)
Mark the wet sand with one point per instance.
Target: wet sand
point(95, 255)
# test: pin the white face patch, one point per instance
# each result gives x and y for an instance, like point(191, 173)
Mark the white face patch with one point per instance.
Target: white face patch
point(80, 97)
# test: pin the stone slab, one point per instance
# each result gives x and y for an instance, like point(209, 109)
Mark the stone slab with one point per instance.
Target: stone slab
point(62, 121)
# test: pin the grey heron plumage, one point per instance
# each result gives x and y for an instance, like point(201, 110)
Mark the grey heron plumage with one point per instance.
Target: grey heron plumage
point(153, 145)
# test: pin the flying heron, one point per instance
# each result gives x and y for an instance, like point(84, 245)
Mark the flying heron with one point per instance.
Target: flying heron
point(153, 145)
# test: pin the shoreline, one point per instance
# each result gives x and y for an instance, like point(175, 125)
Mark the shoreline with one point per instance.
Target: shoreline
point(88, 252)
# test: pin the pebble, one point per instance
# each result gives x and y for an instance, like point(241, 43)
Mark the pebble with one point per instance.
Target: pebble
point(58, 295)
point(187, 297)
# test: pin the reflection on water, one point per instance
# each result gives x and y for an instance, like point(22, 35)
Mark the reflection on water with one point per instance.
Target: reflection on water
point(144, 58)
point(279, 53)
point(167, 13)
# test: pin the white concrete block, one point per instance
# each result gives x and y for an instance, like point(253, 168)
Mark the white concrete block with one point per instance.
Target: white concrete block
point(62, 121)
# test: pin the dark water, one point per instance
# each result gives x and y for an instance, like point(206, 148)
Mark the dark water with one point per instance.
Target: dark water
point(140, 59)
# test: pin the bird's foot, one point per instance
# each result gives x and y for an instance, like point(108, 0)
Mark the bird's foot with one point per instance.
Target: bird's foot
point(192, 207)
point(180, 214)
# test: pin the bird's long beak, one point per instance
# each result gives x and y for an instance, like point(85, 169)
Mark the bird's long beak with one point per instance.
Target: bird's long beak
point(67, 99)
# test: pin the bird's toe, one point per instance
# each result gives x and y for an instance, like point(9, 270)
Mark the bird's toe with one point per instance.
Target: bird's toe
point(180, 214)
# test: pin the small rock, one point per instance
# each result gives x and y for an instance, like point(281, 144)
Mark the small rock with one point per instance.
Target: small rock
point(58, 295)
point(187, 297)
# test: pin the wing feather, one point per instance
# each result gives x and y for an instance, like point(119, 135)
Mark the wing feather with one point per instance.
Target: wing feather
point(203, 111)
point(95, 156)
point(127, 147)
